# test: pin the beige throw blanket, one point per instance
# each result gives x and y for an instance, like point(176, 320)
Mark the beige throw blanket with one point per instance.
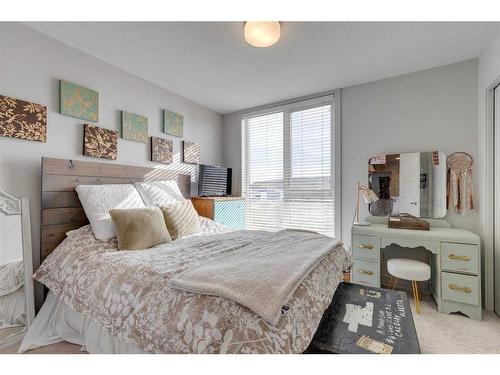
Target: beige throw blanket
point(262, 276)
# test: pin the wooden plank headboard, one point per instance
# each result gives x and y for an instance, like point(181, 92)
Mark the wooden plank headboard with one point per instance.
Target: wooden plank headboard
point(61, 208)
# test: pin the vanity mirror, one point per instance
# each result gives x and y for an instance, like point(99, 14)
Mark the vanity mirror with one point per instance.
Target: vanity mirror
point(412, 183)
point(17, 308)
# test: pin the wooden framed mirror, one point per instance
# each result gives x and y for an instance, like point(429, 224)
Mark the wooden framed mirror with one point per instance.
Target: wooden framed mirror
point(17, 305)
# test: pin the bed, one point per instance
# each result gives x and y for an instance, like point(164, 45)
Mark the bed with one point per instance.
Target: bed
point(113, 301)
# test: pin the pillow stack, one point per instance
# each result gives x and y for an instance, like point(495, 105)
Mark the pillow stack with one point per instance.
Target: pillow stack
point(140, 216)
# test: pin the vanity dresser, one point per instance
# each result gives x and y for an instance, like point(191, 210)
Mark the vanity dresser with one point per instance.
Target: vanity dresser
point(455, 260)
point(455, 256)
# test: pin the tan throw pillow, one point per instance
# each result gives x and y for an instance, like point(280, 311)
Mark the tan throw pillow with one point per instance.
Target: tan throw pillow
point(181, 219)
point(139, 228)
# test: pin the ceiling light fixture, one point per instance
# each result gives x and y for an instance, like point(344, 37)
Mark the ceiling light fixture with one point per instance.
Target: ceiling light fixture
point(262, 34)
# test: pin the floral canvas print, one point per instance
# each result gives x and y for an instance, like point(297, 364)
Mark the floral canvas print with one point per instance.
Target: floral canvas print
point(100, 143)
point(162, 150)
point(191, 152)
point(173, 123)
point(78, 101)
point(134, 127)
point(23, 120)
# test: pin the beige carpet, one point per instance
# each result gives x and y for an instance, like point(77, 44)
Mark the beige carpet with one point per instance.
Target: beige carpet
point(455, 333)
point(437, 333)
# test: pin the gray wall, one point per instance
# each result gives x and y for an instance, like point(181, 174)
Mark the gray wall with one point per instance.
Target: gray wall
point(435, 109)
point(30, 68)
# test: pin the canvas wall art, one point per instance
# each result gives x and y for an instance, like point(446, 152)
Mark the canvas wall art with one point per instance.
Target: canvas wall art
point(78, 101)
point(134, 127)
point(23, 120)
point(191, 152)
point(99, 142)
point(173, 123)
point(162, 150)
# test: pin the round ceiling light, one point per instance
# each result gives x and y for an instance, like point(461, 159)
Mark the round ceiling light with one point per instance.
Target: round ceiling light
point(262, 34)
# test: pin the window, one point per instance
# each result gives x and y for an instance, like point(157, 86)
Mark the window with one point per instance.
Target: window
point(288, 167)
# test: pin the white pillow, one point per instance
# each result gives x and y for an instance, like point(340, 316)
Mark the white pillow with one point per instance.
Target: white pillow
point(159, 193)
point(97, 200)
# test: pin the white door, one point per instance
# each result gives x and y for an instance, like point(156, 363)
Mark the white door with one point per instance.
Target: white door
point(409, 183)
point(497, 200)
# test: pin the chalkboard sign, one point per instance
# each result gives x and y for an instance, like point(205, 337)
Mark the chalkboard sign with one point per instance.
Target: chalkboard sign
point(364, 319)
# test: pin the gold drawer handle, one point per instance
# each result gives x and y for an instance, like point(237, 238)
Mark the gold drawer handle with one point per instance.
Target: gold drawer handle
point(365, 246)
point(459, 289)
point(369, 273)
point(465, 258)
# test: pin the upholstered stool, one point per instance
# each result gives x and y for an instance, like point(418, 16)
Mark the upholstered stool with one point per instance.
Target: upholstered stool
point(409, 269)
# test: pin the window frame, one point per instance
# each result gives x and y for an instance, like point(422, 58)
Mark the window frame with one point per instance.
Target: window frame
point(334, 99)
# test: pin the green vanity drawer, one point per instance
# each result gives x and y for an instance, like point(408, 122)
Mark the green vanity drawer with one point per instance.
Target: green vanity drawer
point(366, 247)
point(460, 257)
point(460, 288)
point(230, 213)
point(365, 272)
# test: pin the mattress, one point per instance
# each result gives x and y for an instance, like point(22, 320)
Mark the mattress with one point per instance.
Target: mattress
point(125, 297)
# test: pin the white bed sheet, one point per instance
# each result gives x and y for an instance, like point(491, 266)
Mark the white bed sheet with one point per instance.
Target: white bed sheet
point(58, 322)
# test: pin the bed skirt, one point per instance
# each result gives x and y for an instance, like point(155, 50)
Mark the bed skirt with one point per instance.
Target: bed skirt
point(58, 322)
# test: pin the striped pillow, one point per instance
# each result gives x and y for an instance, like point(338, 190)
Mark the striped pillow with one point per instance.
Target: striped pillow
point(181, 219)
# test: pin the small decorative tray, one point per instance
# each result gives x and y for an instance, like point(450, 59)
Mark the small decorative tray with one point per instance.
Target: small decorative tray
point(407, 221)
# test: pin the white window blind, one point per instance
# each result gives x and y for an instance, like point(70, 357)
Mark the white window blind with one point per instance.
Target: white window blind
point(288, 167)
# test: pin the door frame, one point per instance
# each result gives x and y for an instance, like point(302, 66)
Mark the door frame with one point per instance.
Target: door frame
point(488, 230)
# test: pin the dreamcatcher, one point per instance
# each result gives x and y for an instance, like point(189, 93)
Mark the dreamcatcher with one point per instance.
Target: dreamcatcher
point(460, 188)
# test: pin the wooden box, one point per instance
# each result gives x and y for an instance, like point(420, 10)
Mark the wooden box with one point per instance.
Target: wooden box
point(408, 222)
point(228, 211)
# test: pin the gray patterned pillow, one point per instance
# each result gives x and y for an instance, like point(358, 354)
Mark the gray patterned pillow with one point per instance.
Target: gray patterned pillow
point(181, 219)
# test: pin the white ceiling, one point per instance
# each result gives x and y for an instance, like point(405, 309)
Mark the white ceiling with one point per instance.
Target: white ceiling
point(210, 62)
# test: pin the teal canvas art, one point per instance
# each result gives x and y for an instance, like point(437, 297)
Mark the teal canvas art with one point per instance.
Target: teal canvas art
point(173, 123)
point(78, 101)
point(134, 127)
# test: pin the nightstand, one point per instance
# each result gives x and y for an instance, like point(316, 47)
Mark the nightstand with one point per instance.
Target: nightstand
point(228, 211)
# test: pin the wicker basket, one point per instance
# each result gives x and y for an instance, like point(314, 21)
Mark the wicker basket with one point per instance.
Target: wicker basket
point(407, 221)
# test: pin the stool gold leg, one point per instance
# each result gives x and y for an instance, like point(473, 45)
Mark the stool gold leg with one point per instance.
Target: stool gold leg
point(418, 295)
point(395, 282)
point(415, 296)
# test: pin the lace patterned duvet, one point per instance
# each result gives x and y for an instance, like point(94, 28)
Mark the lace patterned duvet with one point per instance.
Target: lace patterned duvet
point(128, 294)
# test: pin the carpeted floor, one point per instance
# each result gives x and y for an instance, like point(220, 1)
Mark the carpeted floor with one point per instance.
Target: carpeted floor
point(455, 333)
point(437, 333)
